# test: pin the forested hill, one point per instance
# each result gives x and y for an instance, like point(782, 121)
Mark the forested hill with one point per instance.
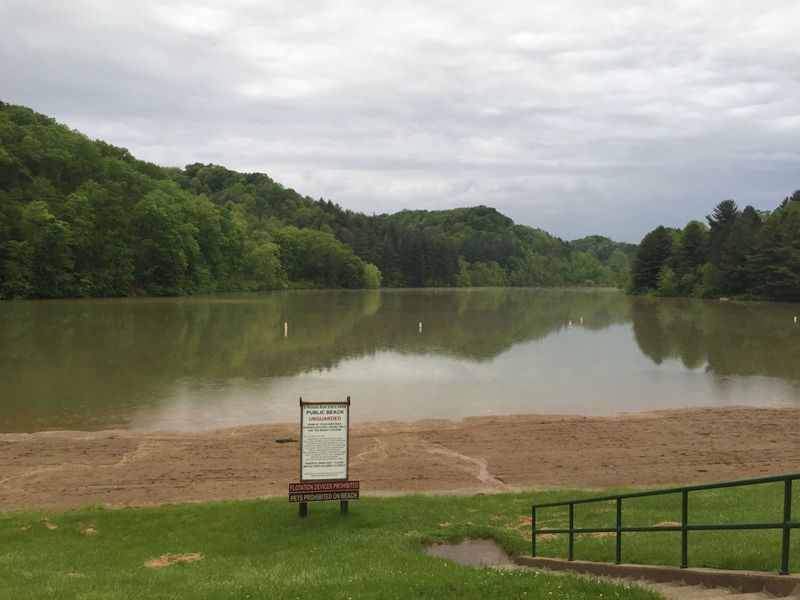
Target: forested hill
point(85, 218)
point(740, 253)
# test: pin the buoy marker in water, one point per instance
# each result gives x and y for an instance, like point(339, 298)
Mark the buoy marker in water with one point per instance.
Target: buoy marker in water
point(795, 318)
point(581, 320)
point(420, 326)
point(569, 323)
point(286, 329)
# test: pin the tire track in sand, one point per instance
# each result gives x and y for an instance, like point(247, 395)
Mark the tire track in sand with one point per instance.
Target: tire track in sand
point(462, 460)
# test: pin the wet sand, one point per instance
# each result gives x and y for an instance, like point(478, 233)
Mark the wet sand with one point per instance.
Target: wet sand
point(69, 469)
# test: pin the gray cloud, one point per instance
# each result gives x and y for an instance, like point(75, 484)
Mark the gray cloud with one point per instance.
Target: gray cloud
point(575, 116)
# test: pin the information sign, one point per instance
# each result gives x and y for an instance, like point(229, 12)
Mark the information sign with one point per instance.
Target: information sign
point(324, 456)
point(324, 440)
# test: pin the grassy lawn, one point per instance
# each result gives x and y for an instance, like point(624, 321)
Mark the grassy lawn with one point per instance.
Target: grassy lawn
point(752, 550)
point(261, 549)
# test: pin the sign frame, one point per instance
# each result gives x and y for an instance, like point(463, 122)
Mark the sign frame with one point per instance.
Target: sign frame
point(346, 406)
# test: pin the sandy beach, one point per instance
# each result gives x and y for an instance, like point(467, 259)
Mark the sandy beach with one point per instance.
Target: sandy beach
point(69, 469)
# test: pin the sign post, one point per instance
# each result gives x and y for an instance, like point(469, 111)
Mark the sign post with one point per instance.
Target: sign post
point(324, 456)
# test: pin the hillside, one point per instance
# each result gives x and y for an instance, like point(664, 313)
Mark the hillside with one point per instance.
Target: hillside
point(85, 218)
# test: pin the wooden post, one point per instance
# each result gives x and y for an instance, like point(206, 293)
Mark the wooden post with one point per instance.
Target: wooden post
point(304, 509)
point(343, 504)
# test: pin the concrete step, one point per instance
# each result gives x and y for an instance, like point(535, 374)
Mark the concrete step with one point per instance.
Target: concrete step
point(679, 584)
point(679, 591)
point(670, 582)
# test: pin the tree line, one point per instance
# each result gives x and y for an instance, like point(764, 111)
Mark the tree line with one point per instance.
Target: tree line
point(746, 254)
point(85, 218)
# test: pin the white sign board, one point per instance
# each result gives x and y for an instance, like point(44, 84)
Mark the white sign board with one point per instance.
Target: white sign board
point(324, 429)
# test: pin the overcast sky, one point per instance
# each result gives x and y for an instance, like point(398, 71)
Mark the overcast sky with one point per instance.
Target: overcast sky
point(579, 117)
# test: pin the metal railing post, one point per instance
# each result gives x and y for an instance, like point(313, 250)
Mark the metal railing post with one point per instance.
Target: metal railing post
point(618, 559)
point(571, 532)
point(684, 531)
point(785, 526)
point(787, 517)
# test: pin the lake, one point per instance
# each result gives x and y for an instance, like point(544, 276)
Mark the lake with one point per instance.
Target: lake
point(225, 360)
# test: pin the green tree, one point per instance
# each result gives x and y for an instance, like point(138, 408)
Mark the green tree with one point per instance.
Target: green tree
point(372, 276)
point(462, 276)
point(668, 283)
point(316, 259)
point(720, 222)
point(108, 258)
point(536, 269)
point(693, 248)
point(484, 274)
point(795, 197)
point(16, 270)
point(49, 241)
point(774, 264)
point(264, 270)
point(732, 256)
point(160, 249)
point(654, 251)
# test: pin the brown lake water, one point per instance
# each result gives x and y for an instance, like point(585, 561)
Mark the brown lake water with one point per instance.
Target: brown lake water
point(219, 361)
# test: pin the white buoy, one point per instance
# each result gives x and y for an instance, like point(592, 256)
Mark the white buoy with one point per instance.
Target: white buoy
point(420, 326)
point(286, 329)
point(581, 320)
point(795, 318)
point(569, 323)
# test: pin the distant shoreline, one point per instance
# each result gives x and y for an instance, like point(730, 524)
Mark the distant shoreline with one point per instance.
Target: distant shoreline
point(70, 469)
point(575, 286)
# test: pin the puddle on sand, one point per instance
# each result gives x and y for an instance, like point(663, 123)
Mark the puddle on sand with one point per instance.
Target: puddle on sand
point(472, 552)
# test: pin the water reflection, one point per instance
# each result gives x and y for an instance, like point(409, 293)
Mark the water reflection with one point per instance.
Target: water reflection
point(723, 337)
point(223, 360)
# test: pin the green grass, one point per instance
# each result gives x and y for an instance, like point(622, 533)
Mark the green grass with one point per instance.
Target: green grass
point(751, 550)
point(261, 549)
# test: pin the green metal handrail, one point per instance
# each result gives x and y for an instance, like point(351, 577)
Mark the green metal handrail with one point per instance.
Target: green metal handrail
point(786, 525)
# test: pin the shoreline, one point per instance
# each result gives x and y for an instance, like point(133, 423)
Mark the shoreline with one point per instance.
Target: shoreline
point(69, 469)
point(400, 422)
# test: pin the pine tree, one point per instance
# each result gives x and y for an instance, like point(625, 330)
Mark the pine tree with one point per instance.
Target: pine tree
point(653, 253)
